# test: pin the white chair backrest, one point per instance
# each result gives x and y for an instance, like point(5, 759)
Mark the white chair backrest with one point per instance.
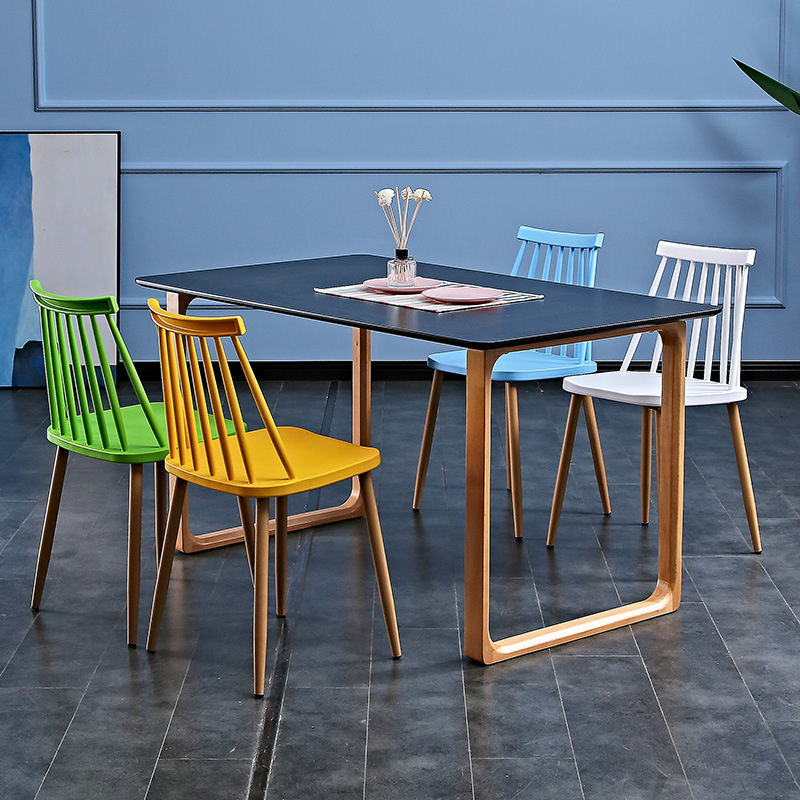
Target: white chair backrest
point(712, 275)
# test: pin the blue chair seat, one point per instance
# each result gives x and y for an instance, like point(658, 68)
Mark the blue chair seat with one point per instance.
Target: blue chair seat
point(527, 365)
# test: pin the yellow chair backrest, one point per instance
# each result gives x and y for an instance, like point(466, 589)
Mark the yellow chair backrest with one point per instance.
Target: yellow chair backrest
point(198, 386)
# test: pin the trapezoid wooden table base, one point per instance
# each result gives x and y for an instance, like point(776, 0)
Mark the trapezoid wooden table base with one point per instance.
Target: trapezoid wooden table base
point(478, 644)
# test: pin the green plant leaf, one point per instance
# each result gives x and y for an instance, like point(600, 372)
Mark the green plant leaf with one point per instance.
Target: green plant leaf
point(783, 94)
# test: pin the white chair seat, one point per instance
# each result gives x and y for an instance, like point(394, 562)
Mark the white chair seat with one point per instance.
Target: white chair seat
point(644, 389)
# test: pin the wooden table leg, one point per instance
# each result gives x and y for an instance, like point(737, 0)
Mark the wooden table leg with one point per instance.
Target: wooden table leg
point(189, 542)
point(477, 642)
point(665, 598)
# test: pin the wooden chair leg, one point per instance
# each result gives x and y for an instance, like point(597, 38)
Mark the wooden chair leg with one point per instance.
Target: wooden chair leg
point(281, 552)
point(379, 561)
point(563, 468)
point(597, 453)
point(744, 475)
point(427, 438)
point(134, 550)
point(260, 596)
point(249, 531)
point(161, 505)
point(165, 562)
point(508, 445)
point(49, 527)
point(513, 455)
point(646, 468)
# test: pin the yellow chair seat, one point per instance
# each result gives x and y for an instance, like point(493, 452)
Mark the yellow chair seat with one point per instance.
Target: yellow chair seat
point(316, 461)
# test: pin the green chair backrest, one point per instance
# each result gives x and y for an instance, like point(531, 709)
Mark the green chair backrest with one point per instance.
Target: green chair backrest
point(84, 405)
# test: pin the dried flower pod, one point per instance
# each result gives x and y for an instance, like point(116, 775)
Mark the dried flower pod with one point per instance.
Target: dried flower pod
point(422, 194)
point(407, 193)
point(385, 197)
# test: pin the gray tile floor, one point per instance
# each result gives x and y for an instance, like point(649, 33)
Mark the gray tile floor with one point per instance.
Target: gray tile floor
point(703, 703)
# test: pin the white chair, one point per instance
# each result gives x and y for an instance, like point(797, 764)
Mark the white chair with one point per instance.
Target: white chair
point(713, 370)
point(549, 256)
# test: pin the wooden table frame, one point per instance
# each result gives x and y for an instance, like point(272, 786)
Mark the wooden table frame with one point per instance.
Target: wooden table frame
point(478, 644)
point(666, 596)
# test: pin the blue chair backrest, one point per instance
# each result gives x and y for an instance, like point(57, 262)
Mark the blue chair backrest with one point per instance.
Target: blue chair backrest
point(563, 258)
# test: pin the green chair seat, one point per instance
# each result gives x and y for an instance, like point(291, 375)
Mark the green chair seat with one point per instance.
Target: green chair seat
point(142, 446)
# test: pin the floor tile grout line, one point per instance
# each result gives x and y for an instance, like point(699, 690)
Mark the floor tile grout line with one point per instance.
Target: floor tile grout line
point(745, 537)
point(661, 711)
point(649, 678)
point(745, 684)
point(464, 698)
point(34, 504)
point(719, 556)
point(122, 478)
point(202, 759)
point(38, 434)
point(553, 661)
point(597, 656)
point(777, 589)
point(74, 714)
point(179, 693)
point(647, 673)
point(566, 722)
point(540, 609)
point(371, 665)
point(369, 697)
point(258, 781)
point(171, 717)
point(462, 657)
point(19, 643)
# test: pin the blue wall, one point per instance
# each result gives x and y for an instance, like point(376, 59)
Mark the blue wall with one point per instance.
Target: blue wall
point(254, 132)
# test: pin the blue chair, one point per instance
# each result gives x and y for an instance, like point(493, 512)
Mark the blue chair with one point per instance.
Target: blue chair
point(550, 256)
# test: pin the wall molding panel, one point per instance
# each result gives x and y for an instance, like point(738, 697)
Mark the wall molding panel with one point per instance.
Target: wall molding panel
point(43, 104)
point(134, 168)
point(244, 57)
point(773, 298)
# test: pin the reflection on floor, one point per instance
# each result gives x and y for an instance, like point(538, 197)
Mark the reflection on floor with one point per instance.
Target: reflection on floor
point(703, 703)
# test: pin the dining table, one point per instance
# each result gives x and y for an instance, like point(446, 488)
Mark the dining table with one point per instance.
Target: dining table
point(552, 314)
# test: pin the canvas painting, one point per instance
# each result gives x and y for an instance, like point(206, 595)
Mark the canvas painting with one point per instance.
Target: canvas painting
point(59, 223)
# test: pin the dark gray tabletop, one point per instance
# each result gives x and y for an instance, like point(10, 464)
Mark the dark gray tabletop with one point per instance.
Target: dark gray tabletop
point(565, 312)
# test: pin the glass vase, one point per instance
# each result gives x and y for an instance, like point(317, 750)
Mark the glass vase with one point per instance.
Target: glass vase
point(401, 271)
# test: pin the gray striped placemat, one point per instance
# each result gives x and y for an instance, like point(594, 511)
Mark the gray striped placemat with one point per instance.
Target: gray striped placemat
point(358, 291)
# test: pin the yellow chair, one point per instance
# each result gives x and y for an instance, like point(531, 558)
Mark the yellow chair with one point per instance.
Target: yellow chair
point(267, 462)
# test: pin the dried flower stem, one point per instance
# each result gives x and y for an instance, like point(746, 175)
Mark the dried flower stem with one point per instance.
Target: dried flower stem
point(392, 224)
point(413, 218)
point(406, 230)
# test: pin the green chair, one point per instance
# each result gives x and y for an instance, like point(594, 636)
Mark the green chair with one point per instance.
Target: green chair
point(86, 418)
